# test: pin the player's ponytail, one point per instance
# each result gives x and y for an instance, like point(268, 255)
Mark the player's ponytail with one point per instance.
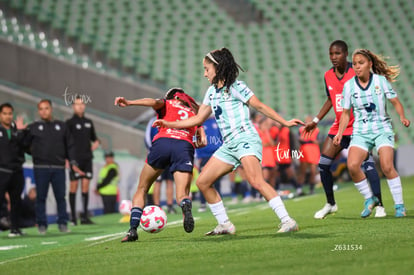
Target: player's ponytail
point(227, 70)
point(379, 65)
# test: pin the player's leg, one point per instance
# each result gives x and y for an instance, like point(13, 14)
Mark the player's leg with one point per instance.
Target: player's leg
point(312, 175)
point(213, 170)
point(182, 189)
point(73, 187)
point(254, 176)
point(156, 194)
point(301, 178)
point(373, 178)
point(148, 175)
point(85, 181)
point(329, 152)
point(386, 156)
point(356, 155)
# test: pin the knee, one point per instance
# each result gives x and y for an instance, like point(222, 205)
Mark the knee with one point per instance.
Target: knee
point(387, 169)
point(353, 166)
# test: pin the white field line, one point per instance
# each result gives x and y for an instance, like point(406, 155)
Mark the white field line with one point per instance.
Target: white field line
point(10, 247)
point(18, 259)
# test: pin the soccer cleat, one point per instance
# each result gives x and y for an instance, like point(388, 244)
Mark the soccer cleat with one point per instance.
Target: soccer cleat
point(380, 212)
point(42, 229)
point(63, 228)
point(15, 233)
point(171, 210)
point(74, 222)
point(131, 236)
point(326, 210)
point(369, 205)
point(86, 221)
point(400, 210)
point(289, 226)
point(188, 220)
point(221, 229)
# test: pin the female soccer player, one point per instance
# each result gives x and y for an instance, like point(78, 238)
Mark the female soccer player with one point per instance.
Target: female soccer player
point(171, 148)
point(335, 79)
point(366, 94)
point(229, 100)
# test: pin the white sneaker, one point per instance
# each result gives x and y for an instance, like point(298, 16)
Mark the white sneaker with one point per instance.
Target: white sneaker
point(327, 209)
point(247, 199)
point(221, 229)
point(234, 200)
point(289, 226)
point(380, 212)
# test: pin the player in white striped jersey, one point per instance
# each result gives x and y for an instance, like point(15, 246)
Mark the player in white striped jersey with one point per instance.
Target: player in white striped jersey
point(229, 100)
point(366, 93)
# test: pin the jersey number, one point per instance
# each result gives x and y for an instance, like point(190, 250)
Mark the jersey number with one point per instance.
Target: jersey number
point(183, 114)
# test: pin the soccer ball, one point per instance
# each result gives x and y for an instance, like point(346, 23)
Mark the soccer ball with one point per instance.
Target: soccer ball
point(125, 207)
point(153, 219)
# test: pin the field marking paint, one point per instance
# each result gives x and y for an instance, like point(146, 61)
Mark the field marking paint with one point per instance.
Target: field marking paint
point(10, 247)
point(18, 259)
point(48, 243)
point(97, 238)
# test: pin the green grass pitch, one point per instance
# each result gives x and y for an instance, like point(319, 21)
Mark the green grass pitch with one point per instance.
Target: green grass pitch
point(342, 243)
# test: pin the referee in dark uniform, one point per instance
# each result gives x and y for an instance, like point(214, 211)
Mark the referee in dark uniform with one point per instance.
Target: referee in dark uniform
point(85, 139)
point(11, 162)
point(51, 144)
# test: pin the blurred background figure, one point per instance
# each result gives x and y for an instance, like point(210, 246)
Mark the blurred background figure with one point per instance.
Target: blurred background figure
point(108, 183)
point(86, 141)
point(310, 155)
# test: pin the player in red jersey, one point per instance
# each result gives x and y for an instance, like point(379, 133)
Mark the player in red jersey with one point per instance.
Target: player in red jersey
point(335, 79)
point(171, 147)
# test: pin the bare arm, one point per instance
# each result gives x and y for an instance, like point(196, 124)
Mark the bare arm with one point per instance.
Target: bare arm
point(343, 122)
point(148, 102)
point(326, 107)
point(269, 112)
point(203, 113)
point(400, 111)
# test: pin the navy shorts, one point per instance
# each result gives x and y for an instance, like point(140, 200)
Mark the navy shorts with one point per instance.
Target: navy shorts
point(346, 140)
point(175, 154)
point(86, 167)
point(166, 175)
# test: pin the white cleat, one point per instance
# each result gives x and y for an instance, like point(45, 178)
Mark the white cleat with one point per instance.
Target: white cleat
point(380, 212)
point(289, 226)
point(221, 229)
point(326, 210)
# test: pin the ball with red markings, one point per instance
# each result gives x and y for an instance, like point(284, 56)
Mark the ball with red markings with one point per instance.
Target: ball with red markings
point(153, 219)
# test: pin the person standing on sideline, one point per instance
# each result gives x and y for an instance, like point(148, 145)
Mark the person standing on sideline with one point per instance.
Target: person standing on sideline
point(51, 144)
point(172, 148)
point(11, 164)
point(229, 100)
point(366, 94)
point(335, 79)
point(83, 133)
point(108, 183)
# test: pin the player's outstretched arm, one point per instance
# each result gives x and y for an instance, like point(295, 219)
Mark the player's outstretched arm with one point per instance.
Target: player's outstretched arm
point(343, 122)
point(203, 113)
point(400, 111)
point(147, 102)
point(310, 126)
point(269, 112)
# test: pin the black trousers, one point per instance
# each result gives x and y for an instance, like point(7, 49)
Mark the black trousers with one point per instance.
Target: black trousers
point(109, 202)
point(12, 183)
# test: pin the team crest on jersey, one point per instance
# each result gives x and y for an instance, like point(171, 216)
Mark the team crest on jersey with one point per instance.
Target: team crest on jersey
point(57, 127)
point(78, 126)
point(338, 101)
point(40, 127)
point(88, 125)
point(377, 90)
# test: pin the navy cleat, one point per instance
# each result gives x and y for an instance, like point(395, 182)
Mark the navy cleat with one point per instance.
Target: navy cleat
point(131, 236)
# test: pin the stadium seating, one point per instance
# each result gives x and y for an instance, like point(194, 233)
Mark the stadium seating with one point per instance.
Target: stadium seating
point(284, 55)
